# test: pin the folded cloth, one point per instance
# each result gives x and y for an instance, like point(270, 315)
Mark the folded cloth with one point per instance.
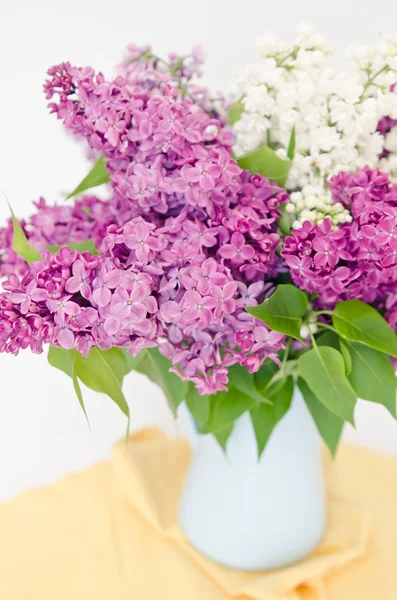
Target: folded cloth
point(111, 533)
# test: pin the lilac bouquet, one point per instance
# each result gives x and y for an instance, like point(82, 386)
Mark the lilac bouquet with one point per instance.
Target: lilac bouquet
point(243, 249)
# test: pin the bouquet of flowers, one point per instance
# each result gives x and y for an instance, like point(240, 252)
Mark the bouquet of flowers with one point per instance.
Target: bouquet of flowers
point(244, 248)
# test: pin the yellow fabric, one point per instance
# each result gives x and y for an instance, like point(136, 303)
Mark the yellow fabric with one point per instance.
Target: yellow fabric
point(110, 533)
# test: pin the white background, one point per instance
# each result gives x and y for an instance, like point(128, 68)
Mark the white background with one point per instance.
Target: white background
point(43, 433)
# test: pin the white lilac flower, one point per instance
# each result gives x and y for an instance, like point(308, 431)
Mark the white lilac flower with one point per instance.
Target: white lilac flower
point(335, 114)
point(313, 203)
point(391, 141)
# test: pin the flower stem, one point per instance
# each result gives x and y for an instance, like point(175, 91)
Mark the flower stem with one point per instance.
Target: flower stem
point(313, 340)
point(286, 353)
point(326, 326)
point(372, 79)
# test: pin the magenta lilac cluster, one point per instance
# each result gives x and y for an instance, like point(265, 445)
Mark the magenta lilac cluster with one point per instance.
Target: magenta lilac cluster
point(47, 305)
point(357, 260)
point(86, 219)
point(141, 68)
point(204, 273)
point(188, 238)
point(148, 140)
point(182, 286)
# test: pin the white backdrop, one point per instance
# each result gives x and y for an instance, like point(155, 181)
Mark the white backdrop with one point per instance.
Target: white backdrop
point(43, 433)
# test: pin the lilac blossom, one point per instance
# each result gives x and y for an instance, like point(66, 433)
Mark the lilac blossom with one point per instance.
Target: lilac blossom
point(237, 251)
point(26, 297)
point(85, 219)
point(187, 238)
point(357, 260)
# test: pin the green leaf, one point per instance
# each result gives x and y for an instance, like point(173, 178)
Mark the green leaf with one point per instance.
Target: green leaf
point(323, 369)
point(62, 359)
point(328, 338)
point(65, 360)
point(346, 357)
point(132, 362)
point(228, 406)
point(20, 244)
point(329, 425)
point(372, 376)
point(117, 362)
point(97, 176)
point(79, 394)
point(284, 222)
point(87, 246)
point(291, 145)
point(266, 162)
point(235, 112)
point(331, 339)
point(242, 380)
point(223, 435)
point(99, 373)
point(199, 406)
point(102, 371)
point(157, 367)
point(264, 417)
point(283, 311)
point(359, 322)
point(265, 373)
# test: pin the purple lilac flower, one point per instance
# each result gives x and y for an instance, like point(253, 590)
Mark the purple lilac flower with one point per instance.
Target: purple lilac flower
point(142, 69)
point(25, 298)
point(187, 238)
point(357, 260)
point(30, 318)
point(237, 251)
point(86, 219)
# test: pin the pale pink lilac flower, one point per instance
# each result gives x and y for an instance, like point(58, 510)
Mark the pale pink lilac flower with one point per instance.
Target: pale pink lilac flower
point(237, 251)
point(187, 238)
point(25, 298)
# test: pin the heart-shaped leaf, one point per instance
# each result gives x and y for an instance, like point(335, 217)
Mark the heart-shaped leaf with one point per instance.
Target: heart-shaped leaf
point(227, 407)
point(359, 322)
point(266, 162)
point(223, 435)
point(102, 371)
point(199, 406)
point(242, 380)
point(99, 372)
point(65, 360)
point(265, 417)
point(346, 356)
point(157, 367)
point(329, 425)
point(372, 376)
point(283, 311)
point(323, 369)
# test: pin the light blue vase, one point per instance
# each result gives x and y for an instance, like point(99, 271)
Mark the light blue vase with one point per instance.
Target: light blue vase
point(256, 514)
